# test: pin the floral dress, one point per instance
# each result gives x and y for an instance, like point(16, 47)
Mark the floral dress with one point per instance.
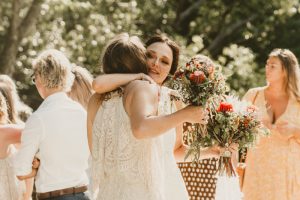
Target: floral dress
point(273, 166)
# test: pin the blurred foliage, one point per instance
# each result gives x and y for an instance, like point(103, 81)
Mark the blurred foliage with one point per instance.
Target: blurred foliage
point(235, 33)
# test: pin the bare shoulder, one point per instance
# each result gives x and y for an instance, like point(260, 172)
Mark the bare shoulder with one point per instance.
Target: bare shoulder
point(94, 99)
point(141, 86)
point(257, 89)
point(94, 103)
point(251, 93)
point(140, 93)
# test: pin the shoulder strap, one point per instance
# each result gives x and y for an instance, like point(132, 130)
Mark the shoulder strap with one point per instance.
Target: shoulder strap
point(254, 99)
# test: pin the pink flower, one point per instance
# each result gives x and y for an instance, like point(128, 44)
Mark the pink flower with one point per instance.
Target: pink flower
point(251, 109)
point(197, 77)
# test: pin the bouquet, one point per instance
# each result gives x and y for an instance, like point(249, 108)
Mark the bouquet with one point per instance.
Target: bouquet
point(199, 83)
point(231, 122)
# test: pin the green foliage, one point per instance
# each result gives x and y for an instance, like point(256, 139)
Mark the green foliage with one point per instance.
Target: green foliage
point(237, 34)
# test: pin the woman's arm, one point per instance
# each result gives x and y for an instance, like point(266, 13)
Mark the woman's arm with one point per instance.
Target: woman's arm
point(29, 188)
point(109, 82)
point(93, 106)
point(30, 175)
point(141, 103)
point(180, 151)
point(288, 129)
point(11, 133)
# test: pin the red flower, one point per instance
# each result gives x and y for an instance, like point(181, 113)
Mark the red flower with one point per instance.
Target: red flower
point(246, 122)
point(178, 74)
point(225, 107)
point(197, 77)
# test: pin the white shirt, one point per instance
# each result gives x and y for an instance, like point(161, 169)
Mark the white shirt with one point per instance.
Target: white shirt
point(57, 132)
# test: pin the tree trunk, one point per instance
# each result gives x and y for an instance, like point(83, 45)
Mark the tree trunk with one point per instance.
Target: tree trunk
point(186, 12)
point(18, 29)
point(217, 44)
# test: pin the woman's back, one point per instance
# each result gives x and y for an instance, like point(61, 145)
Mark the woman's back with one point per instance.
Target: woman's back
point(123, 167)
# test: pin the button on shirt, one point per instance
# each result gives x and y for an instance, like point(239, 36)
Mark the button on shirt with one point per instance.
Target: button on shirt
point(57, 132)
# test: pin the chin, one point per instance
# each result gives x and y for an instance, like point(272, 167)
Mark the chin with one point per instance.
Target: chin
point(155, 77)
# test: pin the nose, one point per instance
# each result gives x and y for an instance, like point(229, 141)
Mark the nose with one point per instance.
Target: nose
point(155, 64)
point(267, 68)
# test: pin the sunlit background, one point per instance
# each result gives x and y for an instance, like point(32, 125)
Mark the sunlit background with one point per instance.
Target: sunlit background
point(237, 34)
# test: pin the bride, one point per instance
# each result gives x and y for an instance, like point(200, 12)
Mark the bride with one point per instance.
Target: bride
point(153, 164)
point(128, 159)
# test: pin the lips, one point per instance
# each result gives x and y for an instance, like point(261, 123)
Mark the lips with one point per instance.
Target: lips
point(153, 71)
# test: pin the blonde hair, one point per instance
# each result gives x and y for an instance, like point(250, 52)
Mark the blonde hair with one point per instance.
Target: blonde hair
point(81, 90)
point(3, 110)
point(11, 104)
point(9, 82)
point(291, 68)
point(54, 69)
point(21, 108)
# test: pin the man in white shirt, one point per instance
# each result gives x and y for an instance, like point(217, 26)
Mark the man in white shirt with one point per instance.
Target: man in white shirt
point(56, 133)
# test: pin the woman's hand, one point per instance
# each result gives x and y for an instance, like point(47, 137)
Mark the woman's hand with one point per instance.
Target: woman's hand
point(195, 114)
point(288, 129)
point(266, 122)
point(231, 151)
point(215, 151)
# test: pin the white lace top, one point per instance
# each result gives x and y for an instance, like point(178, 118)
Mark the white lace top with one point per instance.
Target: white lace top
point(10, 187)
point(125, 168)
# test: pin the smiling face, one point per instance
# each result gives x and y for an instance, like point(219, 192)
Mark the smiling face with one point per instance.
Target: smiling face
point(274, 70)
point(159, 60)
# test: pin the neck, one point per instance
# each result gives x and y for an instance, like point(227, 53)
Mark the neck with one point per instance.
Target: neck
point(51, 91)
point(277, 88)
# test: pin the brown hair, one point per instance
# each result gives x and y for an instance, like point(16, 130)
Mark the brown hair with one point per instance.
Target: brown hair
point(291, 68)
point(124, 54)
point(3, 110)
point(173, 46)
point(81, 90)
point(11, 107)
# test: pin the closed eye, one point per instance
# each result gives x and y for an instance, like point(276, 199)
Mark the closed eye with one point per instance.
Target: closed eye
point(149, 55)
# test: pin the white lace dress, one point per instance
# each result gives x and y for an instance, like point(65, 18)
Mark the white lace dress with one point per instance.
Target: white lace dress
point(125, 168)
point(10, 187)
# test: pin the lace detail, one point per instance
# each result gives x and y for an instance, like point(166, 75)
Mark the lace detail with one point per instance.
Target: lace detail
point(10, 187)
point(125, 168)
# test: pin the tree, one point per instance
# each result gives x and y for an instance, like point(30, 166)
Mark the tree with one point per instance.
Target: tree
point(18, 29)
point(237, 34)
